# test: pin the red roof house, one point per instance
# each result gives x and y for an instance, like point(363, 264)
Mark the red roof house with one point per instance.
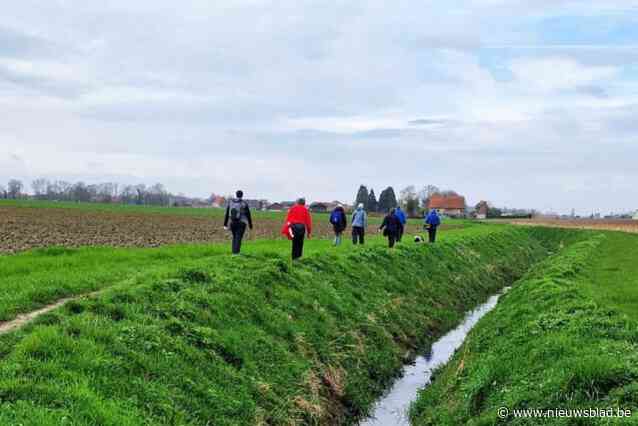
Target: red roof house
point(449, 205)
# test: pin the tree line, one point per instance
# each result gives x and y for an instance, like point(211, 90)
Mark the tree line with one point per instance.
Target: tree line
point(410, 199)
point(107, 192)
point(387, 199)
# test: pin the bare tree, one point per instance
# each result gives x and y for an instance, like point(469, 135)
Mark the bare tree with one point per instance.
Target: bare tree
point(3, 192)
point(106, 192)
point(409, 200)
point(157, 195)
point(128, 194)
point(40, 188)
point(65, 190)
point(80, 192)
point(426, 192)
point(140, 191)
point(14, 188)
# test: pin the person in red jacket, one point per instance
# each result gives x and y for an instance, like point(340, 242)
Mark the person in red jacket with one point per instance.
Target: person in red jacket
point(298, 224)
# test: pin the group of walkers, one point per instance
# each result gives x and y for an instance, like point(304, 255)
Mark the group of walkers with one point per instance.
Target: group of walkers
point(298, 224)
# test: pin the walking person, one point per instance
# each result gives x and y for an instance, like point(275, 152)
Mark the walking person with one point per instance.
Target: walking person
point(339, 222)
point(432, 221)
point(400, 214)
point(238, 213)
point(298, 224)
point(359, 224)
point(391, 226)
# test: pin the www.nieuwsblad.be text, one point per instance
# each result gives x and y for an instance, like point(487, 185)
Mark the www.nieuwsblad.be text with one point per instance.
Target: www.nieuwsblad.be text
point(504, 412)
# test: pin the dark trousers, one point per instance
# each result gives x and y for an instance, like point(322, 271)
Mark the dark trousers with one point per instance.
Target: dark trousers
point(299, 233)
point(238, 229)
point(400, 233)
point(392, 239)
point(432, 233)
point(357, 234)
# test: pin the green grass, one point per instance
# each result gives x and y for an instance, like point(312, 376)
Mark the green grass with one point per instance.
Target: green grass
point(185, 211)
point(565, 336)
point(612, 275)
point(248, 340)
point(131, 208)
point(32, 279)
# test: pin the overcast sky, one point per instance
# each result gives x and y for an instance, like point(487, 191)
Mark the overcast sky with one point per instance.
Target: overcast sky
point(526, 103)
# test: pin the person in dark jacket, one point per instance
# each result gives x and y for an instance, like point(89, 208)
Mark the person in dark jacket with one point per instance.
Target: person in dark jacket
point(339, 222)
point(432, 222)
point(391, 226)
point(298, 224)
point(403, 220)
point(238, 214)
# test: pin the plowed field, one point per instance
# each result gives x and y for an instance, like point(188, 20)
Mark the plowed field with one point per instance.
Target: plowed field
point(23, 228)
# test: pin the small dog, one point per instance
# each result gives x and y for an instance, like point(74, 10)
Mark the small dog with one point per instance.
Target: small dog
point(418, 239)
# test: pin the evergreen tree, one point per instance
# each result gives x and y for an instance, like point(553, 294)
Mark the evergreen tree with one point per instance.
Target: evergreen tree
point(387, 200)
point(372, 205)
point(362, 196)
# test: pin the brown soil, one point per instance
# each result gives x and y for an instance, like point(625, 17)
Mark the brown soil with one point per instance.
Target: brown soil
point(27, 228)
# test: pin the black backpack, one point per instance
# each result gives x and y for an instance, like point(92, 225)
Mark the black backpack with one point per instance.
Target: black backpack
point(236, 208)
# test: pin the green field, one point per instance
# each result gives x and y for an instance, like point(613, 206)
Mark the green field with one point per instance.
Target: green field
point(375, 218)
point(130, 208)
point(188, 334)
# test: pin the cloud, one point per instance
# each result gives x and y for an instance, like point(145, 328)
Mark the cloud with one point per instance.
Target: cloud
point(498, 99)
point(427, 121)
point(556, 73)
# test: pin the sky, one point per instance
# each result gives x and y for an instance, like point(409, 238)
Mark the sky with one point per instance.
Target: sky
point(525, 103)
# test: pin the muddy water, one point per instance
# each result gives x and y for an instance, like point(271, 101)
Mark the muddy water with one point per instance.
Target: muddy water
point(392, 409)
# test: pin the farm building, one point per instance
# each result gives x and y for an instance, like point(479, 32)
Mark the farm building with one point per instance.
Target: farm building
point(257, 204)
point(318, 207)
point(327, 206)
point(218, 201)
point(449, 205)
point(481, 210)
point(284, 205)
point(636, 215)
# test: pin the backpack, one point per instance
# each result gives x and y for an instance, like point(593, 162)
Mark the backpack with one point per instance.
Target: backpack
point(235, 208)
point(335, 217)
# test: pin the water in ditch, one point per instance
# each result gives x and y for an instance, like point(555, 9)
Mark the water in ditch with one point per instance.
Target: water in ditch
point(392, 409)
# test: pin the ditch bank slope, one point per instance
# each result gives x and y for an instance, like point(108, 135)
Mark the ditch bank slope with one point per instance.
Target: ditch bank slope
point(252, 340)
point(548, 345)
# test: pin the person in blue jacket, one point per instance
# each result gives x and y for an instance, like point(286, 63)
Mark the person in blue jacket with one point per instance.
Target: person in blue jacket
point(359, 224)
point(432, 221)
point(400, 214)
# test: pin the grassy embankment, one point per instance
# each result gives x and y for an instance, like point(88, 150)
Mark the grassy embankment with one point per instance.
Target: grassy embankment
point(251, 340)
point(566, 336)
point(35, 278)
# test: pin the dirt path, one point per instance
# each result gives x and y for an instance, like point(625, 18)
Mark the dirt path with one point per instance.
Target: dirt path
point(23, 319)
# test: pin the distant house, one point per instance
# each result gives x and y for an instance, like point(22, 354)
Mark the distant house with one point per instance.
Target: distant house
point(318, 207)
point(448, 205)
point(481, 210)
point(636, 215)
point(257, 204)
point(218, 201)
point(277, 207)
